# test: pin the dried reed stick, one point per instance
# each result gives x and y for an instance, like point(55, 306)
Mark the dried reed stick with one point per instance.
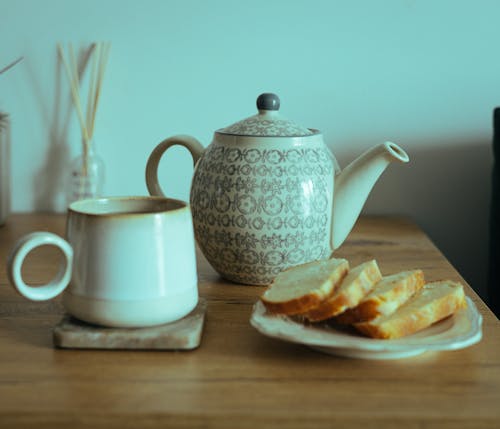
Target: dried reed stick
point(3, 116)
point(90, 105)
point(11, 65)
point(74, 92)
point(99, 52)
point(103, 60)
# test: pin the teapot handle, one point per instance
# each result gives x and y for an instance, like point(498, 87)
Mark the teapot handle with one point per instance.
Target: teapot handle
point(190, 143)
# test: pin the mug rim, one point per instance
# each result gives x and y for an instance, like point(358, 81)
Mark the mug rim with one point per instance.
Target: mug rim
point(179, 205)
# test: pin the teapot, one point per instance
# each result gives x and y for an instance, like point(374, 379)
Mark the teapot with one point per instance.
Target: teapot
point(268, 194)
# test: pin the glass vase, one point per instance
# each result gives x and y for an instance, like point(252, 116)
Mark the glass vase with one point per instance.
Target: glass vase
point(86, 177)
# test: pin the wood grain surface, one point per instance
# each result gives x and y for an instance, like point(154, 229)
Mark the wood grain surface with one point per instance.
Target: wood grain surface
point(238, 377)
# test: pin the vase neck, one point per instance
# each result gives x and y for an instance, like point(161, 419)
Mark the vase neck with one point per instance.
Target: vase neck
point(89, 148)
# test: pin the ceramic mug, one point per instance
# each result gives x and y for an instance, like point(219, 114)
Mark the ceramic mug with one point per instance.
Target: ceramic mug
point(129, 262)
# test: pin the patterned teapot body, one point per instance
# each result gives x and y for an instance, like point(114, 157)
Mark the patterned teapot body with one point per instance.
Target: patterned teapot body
point(262, 196)
point(262, 204)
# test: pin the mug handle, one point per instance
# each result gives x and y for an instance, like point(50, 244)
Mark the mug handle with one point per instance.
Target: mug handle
point(16, 259)
point(190, 143)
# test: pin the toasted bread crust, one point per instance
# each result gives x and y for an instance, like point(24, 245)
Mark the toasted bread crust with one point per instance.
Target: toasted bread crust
point(347, 296)
point(294, 306)
point(373, 307)
point(307, 301)
point(400, 325)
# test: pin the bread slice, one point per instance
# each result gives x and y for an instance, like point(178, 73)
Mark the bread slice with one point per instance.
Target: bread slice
point(433, 302)
point(358, 282)
point(298, 289)
point(387, 296)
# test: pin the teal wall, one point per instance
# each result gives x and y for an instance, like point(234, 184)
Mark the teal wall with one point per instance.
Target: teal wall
point(425, 74)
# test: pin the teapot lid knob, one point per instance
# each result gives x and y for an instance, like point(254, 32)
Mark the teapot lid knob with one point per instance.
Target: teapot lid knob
point(267, 122)
point(268, 101)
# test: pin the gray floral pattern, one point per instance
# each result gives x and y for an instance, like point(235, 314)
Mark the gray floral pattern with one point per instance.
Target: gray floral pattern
point(259, 211)
point(265, 125)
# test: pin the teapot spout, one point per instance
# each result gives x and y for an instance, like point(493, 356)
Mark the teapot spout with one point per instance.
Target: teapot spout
point(354, 183)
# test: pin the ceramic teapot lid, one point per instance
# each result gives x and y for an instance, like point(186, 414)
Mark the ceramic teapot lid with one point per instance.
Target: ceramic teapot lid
point(267, 123)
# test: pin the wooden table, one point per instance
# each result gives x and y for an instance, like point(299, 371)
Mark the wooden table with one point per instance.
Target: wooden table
point(238, 377)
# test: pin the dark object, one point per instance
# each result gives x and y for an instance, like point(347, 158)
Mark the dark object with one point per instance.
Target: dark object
point(268, 101)
point(494, 269)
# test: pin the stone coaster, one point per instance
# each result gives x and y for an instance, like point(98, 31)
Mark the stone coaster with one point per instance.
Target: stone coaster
point(183, 334)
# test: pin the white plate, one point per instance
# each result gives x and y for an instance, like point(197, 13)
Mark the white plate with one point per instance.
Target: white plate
point(458, 331)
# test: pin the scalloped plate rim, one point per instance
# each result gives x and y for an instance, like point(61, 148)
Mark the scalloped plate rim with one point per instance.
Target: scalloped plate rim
point(466, 322)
